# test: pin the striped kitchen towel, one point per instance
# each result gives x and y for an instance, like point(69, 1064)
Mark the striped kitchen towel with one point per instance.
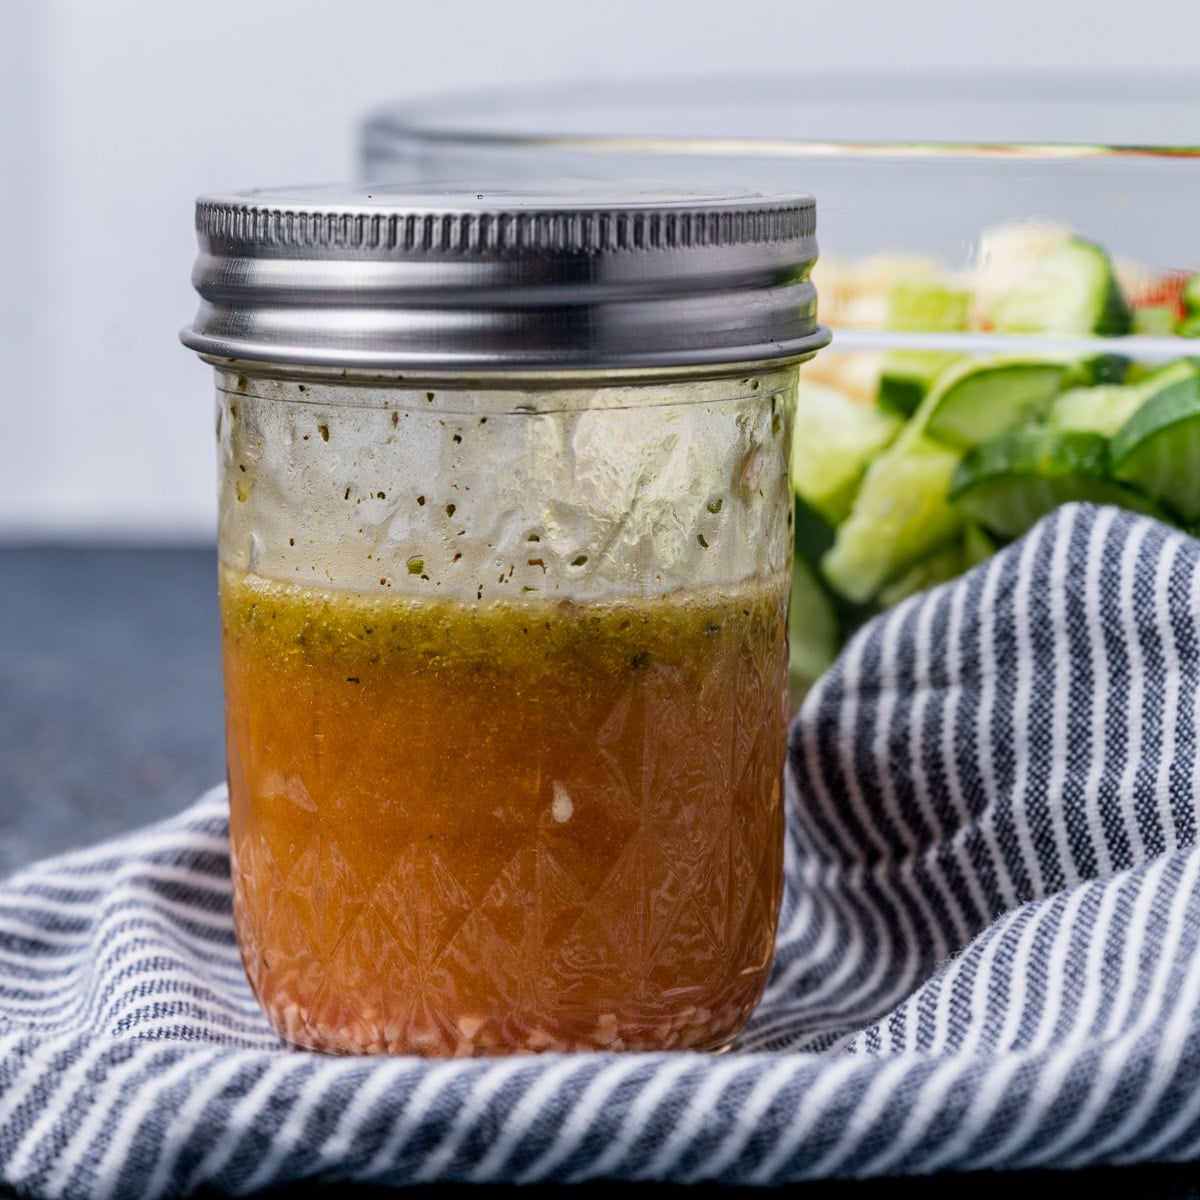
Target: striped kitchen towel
point(988, 954)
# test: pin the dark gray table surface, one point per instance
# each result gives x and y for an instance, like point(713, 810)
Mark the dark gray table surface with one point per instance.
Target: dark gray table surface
point(110, 717)
point(110, 692)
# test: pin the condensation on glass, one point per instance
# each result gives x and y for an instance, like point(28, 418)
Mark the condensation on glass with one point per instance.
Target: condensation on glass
point(505, 552)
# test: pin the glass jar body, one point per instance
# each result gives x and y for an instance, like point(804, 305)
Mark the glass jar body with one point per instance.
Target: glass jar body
point(506, 684)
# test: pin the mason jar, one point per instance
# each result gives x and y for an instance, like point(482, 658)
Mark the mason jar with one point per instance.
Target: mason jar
point(505, 537)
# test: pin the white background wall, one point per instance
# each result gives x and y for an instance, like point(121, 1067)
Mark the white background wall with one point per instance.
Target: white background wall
point(116, 114)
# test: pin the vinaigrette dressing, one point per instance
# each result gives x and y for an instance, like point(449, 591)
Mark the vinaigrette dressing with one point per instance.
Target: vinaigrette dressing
point(511, 827)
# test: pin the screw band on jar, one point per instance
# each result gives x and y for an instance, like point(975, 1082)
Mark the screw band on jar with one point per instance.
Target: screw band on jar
point(391, 278)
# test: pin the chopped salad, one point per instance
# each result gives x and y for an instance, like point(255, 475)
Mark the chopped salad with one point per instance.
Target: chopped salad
point(911, 464)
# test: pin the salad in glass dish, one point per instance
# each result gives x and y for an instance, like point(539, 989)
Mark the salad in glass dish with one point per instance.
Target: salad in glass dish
point(974, 402)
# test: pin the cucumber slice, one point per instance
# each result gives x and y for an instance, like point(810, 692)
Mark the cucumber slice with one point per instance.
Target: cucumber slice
point(1102, 409)
point(812, 534)
point(906, 376)
point(927, 306)
point(1098, 368)
point(813, 634)
point(1163, 376)
point(1191, 295)
point(943, 565)
point(1158, 448)
point(1072, 290)
point(899, 516)
point(1011, 482)
point(1154, 320)
point(833, 441)
point(983, 397)
point(919, 306)
point(978, 544)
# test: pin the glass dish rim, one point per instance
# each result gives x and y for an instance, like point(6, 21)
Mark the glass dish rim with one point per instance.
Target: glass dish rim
point(460, 118)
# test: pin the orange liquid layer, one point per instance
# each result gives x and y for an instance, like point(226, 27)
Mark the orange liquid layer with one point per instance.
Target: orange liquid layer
point(505, 828)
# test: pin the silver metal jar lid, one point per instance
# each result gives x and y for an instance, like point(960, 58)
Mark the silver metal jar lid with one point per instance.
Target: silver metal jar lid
point(398, 277)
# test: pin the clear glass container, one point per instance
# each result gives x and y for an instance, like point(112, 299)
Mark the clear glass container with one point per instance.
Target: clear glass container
point(506, 679)
point(505, 649)
point(957, 213)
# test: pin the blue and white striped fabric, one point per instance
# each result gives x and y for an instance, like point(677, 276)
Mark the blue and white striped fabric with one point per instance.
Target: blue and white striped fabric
point(988, 956)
